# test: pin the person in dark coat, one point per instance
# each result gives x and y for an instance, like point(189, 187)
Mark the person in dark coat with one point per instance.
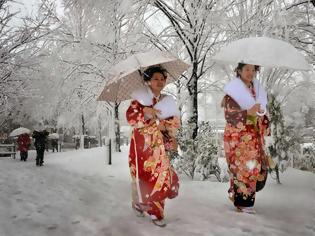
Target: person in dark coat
point(40, 143)
point(77, 143)
point(54, 145)
point(24, 142)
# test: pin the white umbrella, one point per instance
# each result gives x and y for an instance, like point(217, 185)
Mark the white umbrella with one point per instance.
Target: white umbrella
point(19, 131)
point(263, 51)
point(53, 136)
point(126, 76)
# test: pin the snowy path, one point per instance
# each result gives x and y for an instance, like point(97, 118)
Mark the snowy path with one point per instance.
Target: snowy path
point(76, 193)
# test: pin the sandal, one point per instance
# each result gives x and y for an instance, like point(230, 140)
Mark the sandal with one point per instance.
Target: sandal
point(158, 222)
point(138, 211)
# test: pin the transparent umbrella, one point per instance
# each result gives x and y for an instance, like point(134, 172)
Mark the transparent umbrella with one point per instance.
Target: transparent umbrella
point(126, 76)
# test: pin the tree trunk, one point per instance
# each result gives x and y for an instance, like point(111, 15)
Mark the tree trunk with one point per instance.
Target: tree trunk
point(83, 124)
point(180, 107)
point(193, 94)
point(100, 132)
point(192, 87)
point(117, 128)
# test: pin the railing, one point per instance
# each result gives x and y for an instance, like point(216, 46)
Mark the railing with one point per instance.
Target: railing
point(7, 149)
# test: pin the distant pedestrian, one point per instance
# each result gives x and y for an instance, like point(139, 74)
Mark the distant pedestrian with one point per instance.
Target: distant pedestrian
point(54, 145)
point(40, 143)
point(24, 143)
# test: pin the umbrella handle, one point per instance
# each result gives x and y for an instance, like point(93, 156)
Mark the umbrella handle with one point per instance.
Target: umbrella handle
point(261, 113)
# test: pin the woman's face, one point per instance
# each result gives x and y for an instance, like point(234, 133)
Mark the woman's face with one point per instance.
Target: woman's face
point(247, 73)
point(157, 82)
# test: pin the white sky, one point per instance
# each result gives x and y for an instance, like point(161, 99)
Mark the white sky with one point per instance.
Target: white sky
point(29, 7)
point(26, 7)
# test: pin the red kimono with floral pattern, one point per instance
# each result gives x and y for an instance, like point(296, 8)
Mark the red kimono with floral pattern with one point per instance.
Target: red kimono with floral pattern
point(244, 150)
point(153, 177)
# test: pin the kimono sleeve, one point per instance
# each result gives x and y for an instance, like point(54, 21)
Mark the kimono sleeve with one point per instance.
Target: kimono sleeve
point(172, 125)
point(233, 113)
point(135, 115)
point(169, 135)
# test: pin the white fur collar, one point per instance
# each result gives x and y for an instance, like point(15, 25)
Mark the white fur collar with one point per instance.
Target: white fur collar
point(167, 105)
point(239, 92)
point(143, 95)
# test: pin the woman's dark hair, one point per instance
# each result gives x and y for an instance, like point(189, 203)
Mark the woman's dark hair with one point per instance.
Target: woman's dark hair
point(240, 67)
point(148, 73)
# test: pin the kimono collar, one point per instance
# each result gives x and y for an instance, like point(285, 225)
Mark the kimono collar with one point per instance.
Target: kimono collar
point(157, 98)
point(237, 89)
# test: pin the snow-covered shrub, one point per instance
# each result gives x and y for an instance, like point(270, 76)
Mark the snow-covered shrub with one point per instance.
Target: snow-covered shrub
point(224, 170)
point(185, 160)
point(207, 159)
point(199, 155)
point(306, 159)
point(283, 140)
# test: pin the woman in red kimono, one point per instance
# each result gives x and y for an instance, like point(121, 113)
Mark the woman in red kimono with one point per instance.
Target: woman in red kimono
point(244, 108)
point(24, 142)
point(154, 118)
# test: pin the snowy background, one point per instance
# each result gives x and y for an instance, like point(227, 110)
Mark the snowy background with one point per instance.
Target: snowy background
point(54, 62)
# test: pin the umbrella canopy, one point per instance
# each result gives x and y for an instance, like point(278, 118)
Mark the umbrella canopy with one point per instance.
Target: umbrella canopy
point(19, 131)
point(126, 76)
point(263, 51)
point(53, 136)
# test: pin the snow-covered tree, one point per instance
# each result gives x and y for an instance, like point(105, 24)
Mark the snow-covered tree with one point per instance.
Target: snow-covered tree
point(89, 38)
point(20, 45)
point(192, 25)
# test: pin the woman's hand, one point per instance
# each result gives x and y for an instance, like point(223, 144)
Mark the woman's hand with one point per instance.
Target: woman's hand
point(151, 112)
point(253, 110)
point(161, 127)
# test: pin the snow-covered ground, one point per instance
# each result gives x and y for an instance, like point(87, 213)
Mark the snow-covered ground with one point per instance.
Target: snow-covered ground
point(77, 193)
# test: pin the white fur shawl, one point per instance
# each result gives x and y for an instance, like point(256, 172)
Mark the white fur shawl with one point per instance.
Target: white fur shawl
point(167, 105)
point(239, 92)
point(143, 95)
